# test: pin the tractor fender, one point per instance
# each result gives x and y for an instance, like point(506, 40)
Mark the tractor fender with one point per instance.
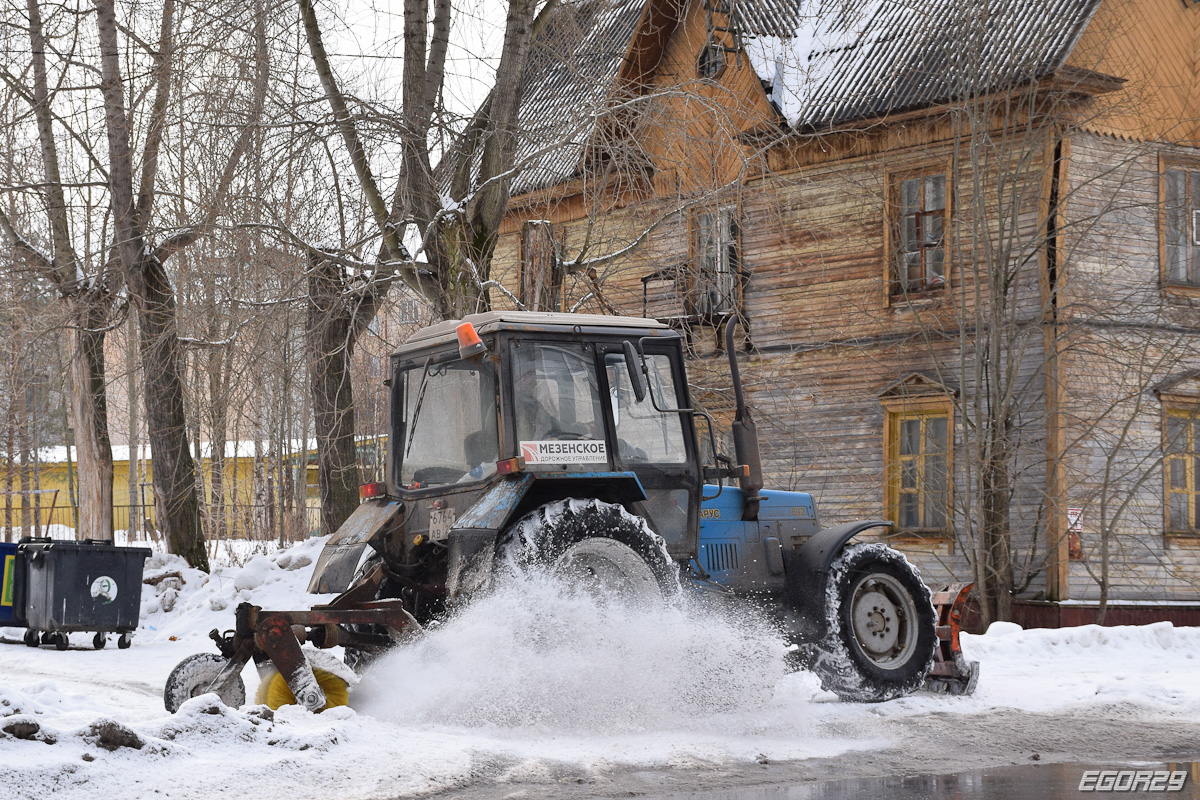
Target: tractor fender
point(471, 553)
point(471, 544)
point(806, 571)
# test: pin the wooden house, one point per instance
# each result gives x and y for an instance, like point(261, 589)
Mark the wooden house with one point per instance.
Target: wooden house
point(965, 237)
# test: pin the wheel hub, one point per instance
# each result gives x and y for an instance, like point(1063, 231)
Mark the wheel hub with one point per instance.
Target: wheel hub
point(608, 568)
point(882, 616)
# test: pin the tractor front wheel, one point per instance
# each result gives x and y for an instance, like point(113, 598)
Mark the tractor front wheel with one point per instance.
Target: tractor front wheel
point(881, 638)
point(600, 545)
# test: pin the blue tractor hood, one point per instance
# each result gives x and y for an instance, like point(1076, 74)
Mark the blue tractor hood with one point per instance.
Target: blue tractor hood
point(773, 505)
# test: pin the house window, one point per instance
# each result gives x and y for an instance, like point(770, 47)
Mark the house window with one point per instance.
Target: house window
point(1181, 225)
point(1182, 466)
point(541, 273)
point(918, 230)
point(711, 61)
point(716, 264)
point(918, 466)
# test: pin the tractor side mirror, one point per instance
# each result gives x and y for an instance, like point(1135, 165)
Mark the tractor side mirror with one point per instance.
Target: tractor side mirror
point(637, 378)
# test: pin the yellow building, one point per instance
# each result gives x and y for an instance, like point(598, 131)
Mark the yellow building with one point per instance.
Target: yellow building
point(49, 501)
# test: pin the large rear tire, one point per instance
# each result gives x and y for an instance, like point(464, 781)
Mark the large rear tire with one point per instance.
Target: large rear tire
point(881, 637)
point(602, 545)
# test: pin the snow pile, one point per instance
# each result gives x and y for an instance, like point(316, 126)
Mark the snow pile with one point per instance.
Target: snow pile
point(1151, 666)
point(185, 603)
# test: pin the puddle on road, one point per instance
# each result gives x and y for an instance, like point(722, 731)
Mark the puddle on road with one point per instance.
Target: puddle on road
point(1024, 782)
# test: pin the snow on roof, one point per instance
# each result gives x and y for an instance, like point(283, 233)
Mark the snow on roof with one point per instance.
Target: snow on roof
point(490, 320)
point(831, 61)
point(824, 61)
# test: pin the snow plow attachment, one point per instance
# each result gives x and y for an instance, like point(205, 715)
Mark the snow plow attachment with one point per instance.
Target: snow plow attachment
point(952, 673)
point(274, 638)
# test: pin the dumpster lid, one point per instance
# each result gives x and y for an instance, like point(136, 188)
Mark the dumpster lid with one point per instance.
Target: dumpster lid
point(28, 543)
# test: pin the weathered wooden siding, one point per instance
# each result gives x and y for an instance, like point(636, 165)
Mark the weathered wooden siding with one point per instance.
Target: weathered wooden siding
point(828, 339)
point(1124, 334)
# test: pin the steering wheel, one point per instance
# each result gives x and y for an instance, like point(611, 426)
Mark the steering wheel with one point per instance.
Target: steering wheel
point(433, 476)
point(554, 433)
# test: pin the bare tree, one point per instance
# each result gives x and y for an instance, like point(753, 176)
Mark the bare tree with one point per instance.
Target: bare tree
point(457, 228)
point(89, 300)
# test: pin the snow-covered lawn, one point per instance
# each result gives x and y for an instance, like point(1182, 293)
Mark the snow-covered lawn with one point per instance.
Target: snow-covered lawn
point(531, 684)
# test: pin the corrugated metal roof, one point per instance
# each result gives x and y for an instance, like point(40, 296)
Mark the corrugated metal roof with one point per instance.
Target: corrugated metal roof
point(568, 79)
point(828, 61)
point(831, 61)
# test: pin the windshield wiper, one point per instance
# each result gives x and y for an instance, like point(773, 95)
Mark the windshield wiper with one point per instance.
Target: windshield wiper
point(412, 432)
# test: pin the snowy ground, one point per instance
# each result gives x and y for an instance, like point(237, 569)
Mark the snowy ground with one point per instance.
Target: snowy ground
point(537, 692)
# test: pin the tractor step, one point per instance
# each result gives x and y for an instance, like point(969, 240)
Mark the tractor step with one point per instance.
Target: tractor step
point(951, 673)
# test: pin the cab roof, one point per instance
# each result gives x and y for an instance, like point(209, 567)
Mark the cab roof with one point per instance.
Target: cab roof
point(540, 321)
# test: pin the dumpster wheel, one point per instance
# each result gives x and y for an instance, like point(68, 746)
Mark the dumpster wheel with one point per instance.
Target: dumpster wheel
point(274, 691)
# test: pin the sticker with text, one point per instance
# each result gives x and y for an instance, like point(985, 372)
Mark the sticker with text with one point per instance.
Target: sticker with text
point(584, 451)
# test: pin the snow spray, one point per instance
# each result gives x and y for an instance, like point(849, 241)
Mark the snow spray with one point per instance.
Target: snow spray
point(538, 652)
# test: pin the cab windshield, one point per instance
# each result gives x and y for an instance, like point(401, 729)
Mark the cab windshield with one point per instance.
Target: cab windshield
point(560, 422)
point(448, 428)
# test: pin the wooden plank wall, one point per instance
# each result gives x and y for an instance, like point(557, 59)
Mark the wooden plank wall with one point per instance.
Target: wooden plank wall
point(1124, 334)
point(1155, 46)
point(827, 338)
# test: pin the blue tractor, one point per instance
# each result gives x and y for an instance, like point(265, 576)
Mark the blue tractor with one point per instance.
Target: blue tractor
point(569, 441)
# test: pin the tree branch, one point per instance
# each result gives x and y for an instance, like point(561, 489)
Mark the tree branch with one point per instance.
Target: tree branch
point(25, 247)
point(158, 113)
point(345, 126)
point(65, 263)
point(181, 240)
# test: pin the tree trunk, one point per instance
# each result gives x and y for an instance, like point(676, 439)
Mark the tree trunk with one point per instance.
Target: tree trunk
point(9, 461)
point(330, 344)
point(996, 592)
point(133, 479)
point(24, 444)
point(216, 453)
point(89, 407)
point(174, 469)
point(175, 499)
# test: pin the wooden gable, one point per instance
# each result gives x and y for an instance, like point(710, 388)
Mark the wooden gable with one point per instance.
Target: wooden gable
point(1155, 46)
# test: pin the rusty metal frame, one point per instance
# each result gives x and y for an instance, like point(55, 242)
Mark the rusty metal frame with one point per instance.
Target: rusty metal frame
point(951, 673)
point(277, 635)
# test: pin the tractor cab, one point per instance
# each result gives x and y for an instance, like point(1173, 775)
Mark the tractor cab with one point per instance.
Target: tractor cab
point(538, 400)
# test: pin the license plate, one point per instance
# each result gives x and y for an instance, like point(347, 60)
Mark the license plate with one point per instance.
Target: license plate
point(440, 520)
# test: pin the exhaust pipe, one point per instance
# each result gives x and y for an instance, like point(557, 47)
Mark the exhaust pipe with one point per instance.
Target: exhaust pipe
point(745, 434)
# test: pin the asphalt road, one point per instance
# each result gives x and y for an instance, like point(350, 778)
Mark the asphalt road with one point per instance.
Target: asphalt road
point(1006, 754)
